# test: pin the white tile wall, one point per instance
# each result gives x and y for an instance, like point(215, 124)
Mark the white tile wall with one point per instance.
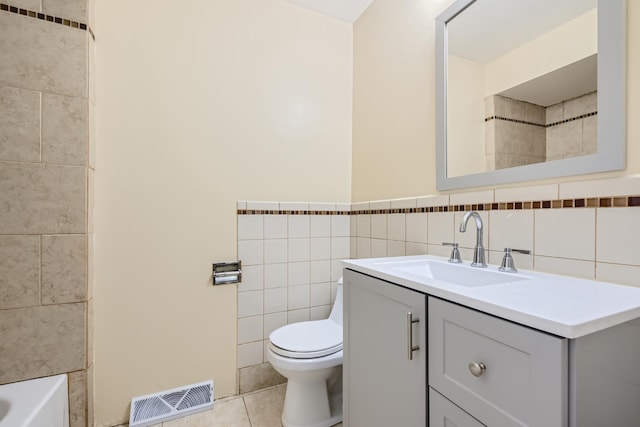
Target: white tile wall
point(289, 264)
point(566, 233)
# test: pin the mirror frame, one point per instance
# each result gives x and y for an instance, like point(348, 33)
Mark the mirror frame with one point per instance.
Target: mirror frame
point(612, 69)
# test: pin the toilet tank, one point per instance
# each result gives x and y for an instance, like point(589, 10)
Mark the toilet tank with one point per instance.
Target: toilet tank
point(336, 310)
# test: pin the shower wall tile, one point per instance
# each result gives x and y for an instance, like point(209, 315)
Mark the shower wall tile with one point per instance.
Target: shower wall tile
point(19, 125)
point(65, 129)
point(617, 242)
point(77, 382)
point(43, 56)
point(56, 341)
point(75, 10)
point(34, 5)
point(42, 198)
point(590, 135)
point(64, 268)
point(19, 271)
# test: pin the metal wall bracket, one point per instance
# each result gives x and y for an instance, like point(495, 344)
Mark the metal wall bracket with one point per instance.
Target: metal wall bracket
point(227, 272)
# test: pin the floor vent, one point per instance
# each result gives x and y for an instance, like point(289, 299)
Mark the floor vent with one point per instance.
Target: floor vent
point(170, 404)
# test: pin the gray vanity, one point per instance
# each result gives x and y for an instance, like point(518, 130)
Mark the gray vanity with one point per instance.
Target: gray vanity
point(427, 342)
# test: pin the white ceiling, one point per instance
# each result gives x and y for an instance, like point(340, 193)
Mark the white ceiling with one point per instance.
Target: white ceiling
point(344, 10)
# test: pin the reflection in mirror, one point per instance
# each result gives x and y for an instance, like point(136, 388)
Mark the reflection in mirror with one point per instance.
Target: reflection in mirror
point(519, 90)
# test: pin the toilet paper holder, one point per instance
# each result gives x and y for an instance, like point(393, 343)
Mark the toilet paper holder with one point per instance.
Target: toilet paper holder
point(225, 273)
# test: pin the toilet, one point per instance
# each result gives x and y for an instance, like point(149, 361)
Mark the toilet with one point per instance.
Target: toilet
point(309, 355)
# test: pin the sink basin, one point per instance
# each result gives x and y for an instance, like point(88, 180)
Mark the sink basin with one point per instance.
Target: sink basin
point(462, 275)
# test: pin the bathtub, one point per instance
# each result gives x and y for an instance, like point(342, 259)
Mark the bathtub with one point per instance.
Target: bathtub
point(42, 402)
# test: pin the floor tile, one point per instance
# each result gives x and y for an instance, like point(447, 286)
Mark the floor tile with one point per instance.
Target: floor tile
point(265, 407)
point(226, 413)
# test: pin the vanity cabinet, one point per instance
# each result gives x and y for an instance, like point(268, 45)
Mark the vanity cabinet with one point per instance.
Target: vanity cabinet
point(471, 369)
point(385, 354)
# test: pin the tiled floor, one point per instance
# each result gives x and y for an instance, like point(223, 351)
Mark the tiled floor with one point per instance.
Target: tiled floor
point(261, 408)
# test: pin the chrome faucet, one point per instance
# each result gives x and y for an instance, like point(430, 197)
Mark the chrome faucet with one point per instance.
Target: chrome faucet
point(478, 251)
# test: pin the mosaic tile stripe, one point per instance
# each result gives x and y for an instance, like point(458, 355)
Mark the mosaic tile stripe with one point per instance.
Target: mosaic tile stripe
point(593, 202)
point(524, 122)
point(45, 17)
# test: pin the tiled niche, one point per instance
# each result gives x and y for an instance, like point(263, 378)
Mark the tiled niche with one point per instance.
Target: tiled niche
point(520, 133)
point(291, 255)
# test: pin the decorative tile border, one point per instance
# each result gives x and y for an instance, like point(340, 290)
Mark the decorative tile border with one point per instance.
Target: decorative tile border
point(45, 17)
point(524, 122)
point(592, 202)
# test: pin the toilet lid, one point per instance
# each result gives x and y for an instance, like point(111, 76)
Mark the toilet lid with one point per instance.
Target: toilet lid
point(306, 340)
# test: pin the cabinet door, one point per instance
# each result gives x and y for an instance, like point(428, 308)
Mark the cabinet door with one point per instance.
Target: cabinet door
point(501, 373)
point(383, 386)
point(443, 413)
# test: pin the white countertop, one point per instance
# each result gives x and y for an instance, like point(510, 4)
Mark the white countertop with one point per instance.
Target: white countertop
point(561, 305)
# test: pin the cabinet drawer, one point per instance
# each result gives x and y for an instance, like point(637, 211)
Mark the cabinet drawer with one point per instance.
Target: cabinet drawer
point(522, 374)
point(443, 413)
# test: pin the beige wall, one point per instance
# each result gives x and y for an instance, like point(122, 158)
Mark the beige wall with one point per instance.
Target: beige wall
point(394, 99)
point(201, 104)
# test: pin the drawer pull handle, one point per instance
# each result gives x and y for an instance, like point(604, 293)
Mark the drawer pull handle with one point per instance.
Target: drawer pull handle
point(477, 368)
point(410, 347)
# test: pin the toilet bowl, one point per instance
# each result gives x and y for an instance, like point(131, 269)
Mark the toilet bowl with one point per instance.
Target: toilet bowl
point(309, 355)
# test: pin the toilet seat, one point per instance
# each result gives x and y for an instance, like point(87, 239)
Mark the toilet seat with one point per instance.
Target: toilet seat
point(307, 340)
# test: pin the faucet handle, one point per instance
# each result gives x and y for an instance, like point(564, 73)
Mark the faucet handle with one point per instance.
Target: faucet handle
point(455, 253)
point(507, 260)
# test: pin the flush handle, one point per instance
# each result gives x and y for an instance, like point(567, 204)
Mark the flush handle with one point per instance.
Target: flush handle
point(410, 347)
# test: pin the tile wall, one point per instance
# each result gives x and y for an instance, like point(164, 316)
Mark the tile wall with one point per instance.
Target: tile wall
point(581, 229)
point(520, 133)
point(46, 182)
point(290, 256)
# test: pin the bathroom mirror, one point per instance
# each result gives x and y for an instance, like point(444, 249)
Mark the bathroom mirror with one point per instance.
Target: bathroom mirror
point(529, 89)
